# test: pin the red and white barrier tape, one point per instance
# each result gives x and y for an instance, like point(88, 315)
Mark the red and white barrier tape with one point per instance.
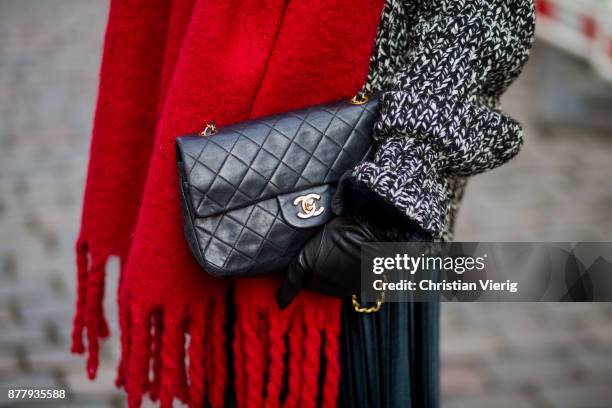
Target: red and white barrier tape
point(581, 27)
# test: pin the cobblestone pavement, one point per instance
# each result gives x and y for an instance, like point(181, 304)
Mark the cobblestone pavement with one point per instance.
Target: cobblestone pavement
point(494, 355)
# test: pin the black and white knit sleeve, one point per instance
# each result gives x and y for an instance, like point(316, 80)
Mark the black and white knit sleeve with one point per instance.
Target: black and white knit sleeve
point(438, 117)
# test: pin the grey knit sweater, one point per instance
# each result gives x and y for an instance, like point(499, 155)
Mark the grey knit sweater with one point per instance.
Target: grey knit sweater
point(443, 65)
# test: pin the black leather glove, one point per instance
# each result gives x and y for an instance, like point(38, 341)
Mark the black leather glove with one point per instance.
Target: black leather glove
point(329, 263)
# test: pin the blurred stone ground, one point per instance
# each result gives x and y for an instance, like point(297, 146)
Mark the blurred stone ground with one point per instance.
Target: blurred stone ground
point(494, 355)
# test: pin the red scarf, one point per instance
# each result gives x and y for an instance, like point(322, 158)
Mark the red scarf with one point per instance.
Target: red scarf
point(168, 69)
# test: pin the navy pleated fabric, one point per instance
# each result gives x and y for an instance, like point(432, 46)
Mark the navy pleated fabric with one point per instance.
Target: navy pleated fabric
point(391, 358)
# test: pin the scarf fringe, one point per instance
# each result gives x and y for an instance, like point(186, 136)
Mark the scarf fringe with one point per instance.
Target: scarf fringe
point(89, 319)
point(181, 353)
point(273, 347)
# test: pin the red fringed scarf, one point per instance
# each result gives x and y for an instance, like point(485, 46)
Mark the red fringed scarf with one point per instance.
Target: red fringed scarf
point(168, 68)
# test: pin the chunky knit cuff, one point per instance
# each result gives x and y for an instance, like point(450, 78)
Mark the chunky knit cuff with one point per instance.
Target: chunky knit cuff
point(426, 141)
point(405, 176)
point(465, 138)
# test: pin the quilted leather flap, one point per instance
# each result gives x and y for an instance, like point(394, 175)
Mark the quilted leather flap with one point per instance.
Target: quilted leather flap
point(261, 158)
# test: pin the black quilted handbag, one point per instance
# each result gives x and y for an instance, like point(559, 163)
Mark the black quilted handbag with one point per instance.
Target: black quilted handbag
point(254, 192)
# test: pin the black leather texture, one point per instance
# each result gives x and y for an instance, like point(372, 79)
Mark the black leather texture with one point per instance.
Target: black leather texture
point(329, 263)
point(254, 192)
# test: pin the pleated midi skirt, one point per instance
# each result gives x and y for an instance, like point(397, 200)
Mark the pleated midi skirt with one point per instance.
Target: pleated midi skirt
point(390, 359)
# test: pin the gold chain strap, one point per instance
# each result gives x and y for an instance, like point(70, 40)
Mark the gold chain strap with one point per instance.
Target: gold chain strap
point(359, 99)
point(210, 129)
point(372, 309)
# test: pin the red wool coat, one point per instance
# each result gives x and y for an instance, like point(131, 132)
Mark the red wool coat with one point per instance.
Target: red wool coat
point(169, 67)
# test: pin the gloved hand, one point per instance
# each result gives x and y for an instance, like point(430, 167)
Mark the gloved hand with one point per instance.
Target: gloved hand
point(329, 263)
